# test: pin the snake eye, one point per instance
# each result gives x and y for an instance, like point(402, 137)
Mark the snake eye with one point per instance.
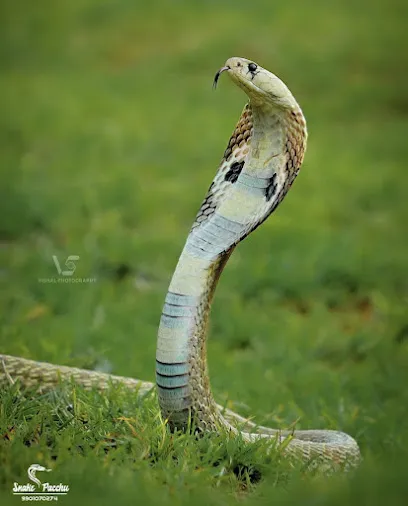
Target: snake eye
point(252, 67)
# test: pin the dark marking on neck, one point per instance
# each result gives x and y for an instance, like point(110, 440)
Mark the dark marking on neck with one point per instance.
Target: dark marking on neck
point(234, 171)
point(270, 190)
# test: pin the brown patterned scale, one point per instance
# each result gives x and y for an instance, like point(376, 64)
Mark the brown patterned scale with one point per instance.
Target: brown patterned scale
point(235, 153)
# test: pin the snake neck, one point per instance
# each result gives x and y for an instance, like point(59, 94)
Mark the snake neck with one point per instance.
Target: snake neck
point(263, 168)
point(181, 367)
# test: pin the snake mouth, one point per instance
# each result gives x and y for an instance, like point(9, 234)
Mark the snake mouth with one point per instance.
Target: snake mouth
point(241, 80)
point(217, 75)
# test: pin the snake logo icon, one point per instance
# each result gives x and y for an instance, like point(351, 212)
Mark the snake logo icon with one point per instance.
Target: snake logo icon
point(32, 470)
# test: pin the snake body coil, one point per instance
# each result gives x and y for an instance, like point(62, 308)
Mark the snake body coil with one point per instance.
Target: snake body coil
point(260, 163)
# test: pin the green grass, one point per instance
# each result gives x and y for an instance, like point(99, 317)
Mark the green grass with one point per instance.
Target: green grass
point(109, 137)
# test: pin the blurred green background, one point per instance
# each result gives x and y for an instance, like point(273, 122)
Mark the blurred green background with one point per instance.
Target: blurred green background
point(110, 134)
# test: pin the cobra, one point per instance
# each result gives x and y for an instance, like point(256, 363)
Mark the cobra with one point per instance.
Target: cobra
point(260, 163)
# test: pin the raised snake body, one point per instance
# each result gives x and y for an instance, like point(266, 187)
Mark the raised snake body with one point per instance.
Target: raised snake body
point(259, 165)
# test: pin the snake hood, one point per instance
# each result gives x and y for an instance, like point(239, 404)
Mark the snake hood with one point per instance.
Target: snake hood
point(259, 84)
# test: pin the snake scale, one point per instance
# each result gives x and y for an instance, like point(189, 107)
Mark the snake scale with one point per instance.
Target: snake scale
point(260, 163)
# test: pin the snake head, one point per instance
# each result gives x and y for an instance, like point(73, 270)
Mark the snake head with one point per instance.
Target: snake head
point(261, 86)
